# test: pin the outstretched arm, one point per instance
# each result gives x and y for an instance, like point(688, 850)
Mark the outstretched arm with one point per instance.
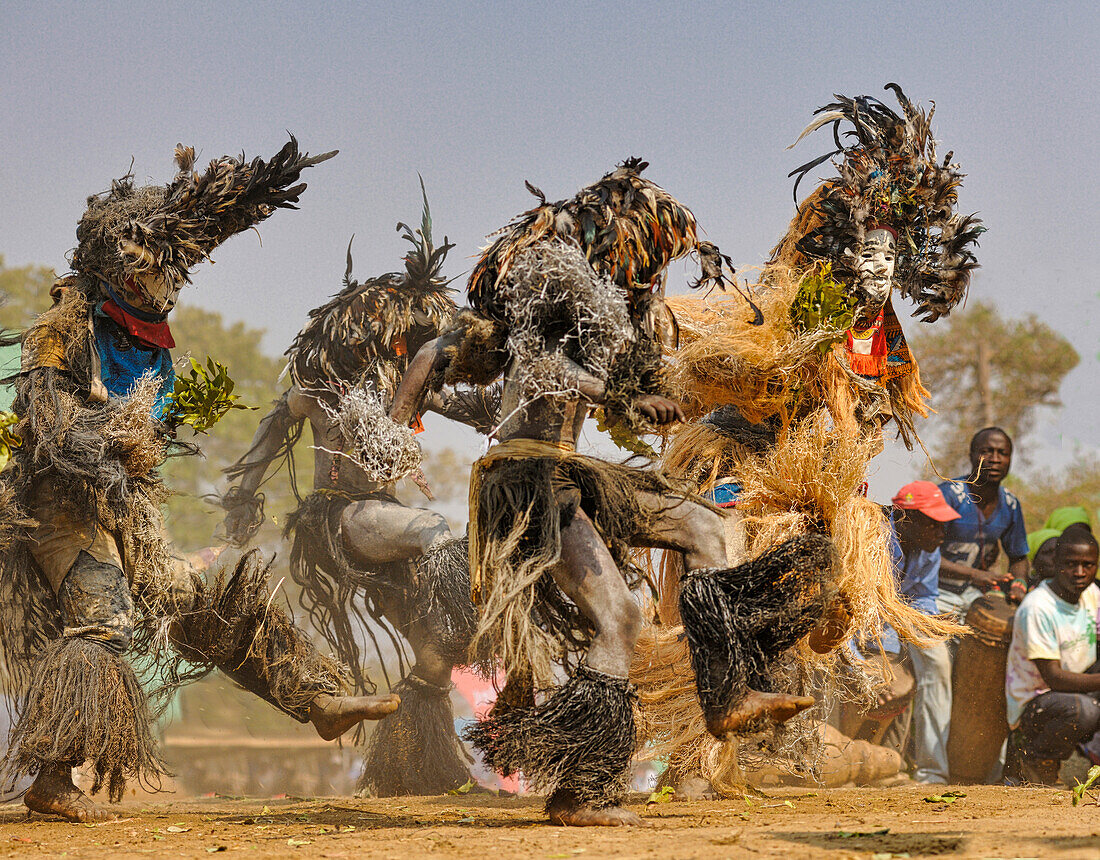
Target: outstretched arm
point(978, 578)
point(475, 406)
point(429, 359)
point(658, 409)
point(432, 358)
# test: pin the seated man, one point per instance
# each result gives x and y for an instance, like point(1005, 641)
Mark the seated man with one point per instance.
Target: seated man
point(1051, 688)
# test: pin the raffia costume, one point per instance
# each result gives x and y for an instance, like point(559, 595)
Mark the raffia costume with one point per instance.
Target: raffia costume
point(351, 357)
point(85, 570)
point(581, 280)
point(787, 412)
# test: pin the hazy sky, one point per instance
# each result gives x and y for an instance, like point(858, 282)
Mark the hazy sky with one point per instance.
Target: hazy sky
point(479, 97)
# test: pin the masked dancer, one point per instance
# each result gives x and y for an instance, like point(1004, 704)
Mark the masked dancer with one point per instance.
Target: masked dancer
point(85, 571)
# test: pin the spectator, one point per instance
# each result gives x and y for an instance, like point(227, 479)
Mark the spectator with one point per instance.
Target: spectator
point(1040, 552)
point(1061, 519)
point(988, 514)
point(918, 517)
point(1050, 682)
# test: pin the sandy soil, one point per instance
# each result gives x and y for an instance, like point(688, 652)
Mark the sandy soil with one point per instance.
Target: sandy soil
point(877, 824)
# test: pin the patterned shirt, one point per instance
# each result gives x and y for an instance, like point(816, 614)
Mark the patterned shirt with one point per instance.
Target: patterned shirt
point(972, 539)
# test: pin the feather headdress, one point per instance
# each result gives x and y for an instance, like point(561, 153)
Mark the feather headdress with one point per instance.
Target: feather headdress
point(889, 175)
point(144, 241)
point(629, 228)
point(370, 328)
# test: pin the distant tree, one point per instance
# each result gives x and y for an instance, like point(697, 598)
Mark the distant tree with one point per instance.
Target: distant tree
point(983, 369)
point(1072, 485)
point(192, 522)
point(24, 293)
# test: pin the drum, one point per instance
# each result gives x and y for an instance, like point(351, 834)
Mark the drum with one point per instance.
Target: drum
point(979, 723)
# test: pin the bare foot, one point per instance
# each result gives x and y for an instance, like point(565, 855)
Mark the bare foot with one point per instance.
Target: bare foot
point(757, 708)
point(565, 811)
point(53, 793)
point(333, 715)
point(695, 788)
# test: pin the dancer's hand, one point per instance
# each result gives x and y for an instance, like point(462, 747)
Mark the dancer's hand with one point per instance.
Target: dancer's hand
point(660, 410)
point(243, 517)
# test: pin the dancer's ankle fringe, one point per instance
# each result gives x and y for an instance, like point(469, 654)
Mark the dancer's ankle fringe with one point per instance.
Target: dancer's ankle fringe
point(581, 739)
point(415, 750)
point(85, 705)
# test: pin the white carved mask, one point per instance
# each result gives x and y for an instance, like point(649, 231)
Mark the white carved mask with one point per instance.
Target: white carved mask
point(875, 266)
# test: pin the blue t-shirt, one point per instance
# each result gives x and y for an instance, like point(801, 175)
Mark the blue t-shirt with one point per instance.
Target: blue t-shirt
point(918, 577)
point(972, 539)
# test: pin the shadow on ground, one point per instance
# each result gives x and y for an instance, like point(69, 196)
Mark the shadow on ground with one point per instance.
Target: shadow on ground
point(914, 844)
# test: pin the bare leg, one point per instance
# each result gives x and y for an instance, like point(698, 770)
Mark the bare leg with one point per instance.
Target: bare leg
point(565, 811)
point(54, 793)
point(748, 713)
point(85, 701)
point(417, 751)
point(589, 576)
point(687, 527)
point(377, 531)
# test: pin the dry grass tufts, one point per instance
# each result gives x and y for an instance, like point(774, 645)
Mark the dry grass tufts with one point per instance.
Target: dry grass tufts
point(723, 359)
point(129, 432)
point(811, 481)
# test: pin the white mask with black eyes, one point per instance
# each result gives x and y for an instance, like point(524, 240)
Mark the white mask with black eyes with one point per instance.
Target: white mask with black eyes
point(875, 266)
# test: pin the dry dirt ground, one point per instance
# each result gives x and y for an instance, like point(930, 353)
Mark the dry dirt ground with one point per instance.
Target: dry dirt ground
point(876, 824)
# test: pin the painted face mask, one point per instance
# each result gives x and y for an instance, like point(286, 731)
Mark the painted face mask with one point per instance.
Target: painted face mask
point(875, 266)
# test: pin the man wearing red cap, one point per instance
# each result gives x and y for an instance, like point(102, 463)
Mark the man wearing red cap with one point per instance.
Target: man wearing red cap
point(918, 514)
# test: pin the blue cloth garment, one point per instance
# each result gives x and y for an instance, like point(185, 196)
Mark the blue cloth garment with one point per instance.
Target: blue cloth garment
point(918, 577)
point(725, 494)
point(124, 360)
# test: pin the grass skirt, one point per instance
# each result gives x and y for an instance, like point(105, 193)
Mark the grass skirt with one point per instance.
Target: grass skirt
point(85, 704)
point(236, 627)
point(415, 750)
point(580, 739)
point(521, 506)
point(740, 621)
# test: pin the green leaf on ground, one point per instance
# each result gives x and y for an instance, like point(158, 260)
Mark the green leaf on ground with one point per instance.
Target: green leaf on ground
point(662, 795)
point(946, 797)
point(1081, 787)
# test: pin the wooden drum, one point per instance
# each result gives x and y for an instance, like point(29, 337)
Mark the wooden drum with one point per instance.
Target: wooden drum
point(979, 724)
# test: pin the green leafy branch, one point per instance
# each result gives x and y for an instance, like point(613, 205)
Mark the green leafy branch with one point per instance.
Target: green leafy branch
point(1081, 788)
point(622, 436)
point(823, 302)
point(203, 397)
